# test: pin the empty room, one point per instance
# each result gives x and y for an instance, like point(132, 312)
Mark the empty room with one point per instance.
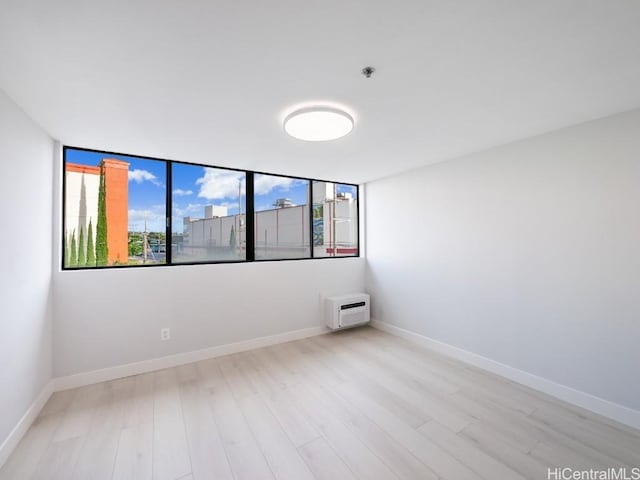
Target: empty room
point(329, 240)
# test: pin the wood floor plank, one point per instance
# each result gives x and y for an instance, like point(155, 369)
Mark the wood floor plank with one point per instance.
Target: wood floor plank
point(437, 459)
point(170, 447)
point(139, 409)
point(245, 457)
point(324, 462)
point(616, 446)
point(574, 448)
point(409, 350)
point(281, 454)
point(231, 367)
point(59, 460)
point(324, 366)
point(473, 379)
point(77, 417)
point(508, 427)
point(430, 405)
point(297, 427)
point(402, 462)
point(579, 414)
point(134, 458)
point(383, 359)
point(24, 460)
point(305, 352)
point(491, 443)
point(355, 405)
point(361, 461)
point(208, 457)
point(98, 454)
point(468, 454)
point(560, 455)
point(283, 374)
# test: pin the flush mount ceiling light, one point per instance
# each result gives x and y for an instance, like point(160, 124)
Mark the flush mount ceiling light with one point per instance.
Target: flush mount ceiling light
point(318, 124)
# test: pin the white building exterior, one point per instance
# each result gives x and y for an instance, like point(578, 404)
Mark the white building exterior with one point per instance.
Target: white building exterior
point(282, 232)
point(279, 232)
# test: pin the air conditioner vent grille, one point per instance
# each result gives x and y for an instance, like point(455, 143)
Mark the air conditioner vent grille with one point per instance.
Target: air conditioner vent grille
point(352, 305)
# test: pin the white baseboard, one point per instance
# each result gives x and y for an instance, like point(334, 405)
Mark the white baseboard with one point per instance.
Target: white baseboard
point(614, 411)
point(11, 442)
point(145, 366)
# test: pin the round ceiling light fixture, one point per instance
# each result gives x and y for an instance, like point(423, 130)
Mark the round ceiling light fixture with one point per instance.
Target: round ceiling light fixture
point(318, 124)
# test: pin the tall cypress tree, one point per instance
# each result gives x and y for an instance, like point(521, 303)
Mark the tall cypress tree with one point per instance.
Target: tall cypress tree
point(73, 257)
point(81, 250)
point(232, 238)
point(91, 253)
point(102, 251)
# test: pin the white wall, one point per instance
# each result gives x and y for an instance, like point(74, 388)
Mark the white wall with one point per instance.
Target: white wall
point(528, 254)
point(113, 317)
point(26, 153)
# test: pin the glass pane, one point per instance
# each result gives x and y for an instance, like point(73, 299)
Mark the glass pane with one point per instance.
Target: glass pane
point(115, 210)
point(208, 218)
point(335, 219)
point(281, 217)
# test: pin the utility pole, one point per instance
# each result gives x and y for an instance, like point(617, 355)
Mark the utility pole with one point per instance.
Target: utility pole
point(144, 241)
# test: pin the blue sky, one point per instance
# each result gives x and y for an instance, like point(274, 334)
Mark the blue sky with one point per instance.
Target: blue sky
point(194, 187)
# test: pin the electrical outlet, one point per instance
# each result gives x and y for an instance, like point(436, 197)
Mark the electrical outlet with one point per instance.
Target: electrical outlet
point(165, 334)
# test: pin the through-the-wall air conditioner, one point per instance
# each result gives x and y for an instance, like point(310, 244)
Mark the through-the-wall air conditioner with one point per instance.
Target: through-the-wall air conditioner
point(347, 310)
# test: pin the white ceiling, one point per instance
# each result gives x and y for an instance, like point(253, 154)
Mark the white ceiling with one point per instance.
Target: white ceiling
point(209, 81)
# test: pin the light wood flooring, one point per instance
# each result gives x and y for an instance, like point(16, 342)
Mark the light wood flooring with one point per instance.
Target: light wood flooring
point(359, 404)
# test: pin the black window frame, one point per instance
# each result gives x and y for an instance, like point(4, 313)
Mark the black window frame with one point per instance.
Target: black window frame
point(249, 222)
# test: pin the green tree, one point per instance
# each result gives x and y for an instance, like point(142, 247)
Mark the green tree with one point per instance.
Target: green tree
point(102, 249)
point(67, 251)
point(135, 244)
point(232, 238)
point(73, 257)
point(81, 248)
point(91, 252)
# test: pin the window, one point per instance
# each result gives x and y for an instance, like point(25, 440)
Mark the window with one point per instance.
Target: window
point(335, 219)
point(208, 214)
point(130, 211)
point(281, 217)
point(115, 210)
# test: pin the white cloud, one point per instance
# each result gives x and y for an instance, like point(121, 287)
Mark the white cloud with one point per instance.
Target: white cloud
point(155, 220)
point(263, 184)
point(217, 184)
point(229, 205)
point(196, 209)
point(182, 193)
point(140, 176)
